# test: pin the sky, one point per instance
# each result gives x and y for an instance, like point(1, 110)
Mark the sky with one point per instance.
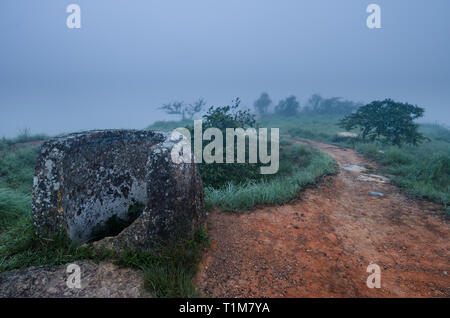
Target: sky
point(130, 57)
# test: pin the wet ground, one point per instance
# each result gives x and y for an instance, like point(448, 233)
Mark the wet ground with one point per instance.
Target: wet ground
point(322, 244)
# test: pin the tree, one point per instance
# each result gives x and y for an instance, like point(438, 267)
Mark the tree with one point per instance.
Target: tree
point(386, 120)
point(288, 106)
point(330, 106)
point(186, 111)
point(262, 104)
point(175, 108)
point(313, 102)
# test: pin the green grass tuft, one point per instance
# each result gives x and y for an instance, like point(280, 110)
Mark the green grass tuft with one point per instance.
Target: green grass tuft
point(171, 272)
point(278, 190)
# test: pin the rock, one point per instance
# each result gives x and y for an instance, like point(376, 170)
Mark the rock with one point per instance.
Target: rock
point(346, 134)
point(375, 194)
point(104, 280)
point(354, 168)
point(373, 178)
point(120, 184)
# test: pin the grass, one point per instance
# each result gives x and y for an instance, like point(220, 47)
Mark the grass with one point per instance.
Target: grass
point(170, 124)
point(316, 127)
point(23, 137)
point(422, 171)
point(168, 273)
point(280, 189)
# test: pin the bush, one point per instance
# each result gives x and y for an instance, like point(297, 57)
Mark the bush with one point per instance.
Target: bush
point(218, 174)
point(388, 121)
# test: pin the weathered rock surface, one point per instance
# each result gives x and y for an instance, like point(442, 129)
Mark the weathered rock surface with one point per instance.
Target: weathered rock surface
point(98, 184)
point(104, 280)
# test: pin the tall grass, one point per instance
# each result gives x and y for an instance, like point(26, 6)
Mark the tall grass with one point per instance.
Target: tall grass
point(279, 190)
point(171, 272)
point(17, 168)
point(13, 205)
point(422, 171)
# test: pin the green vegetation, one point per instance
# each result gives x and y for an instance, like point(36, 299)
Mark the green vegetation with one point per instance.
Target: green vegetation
point(422, 171)
point(171, 272)
point(386, 121)
point(262, 104)
point(299, 166)
point(16, 177)
point(217, 174)
point(168, 273)
point(288, 107)
point(170, 124)
point(23, 137)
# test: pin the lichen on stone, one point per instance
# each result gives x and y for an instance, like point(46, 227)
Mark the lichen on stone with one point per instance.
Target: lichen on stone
point(118, 183)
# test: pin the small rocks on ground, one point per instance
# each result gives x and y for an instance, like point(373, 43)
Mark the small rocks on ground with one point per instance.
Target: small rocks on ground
point(375, 194)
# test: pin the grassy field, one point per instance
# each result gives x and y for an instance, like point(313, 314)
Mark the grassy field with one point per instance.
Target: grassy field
point(422, 171)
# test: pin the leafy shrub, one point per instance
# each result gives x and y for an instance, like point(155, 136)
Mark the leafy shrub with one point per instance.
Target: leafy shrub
point(218, 174)
point(388, 121)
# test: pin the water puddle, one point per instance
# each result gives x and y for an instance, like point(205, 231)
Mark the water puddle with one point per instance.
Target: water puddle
point(354, 168)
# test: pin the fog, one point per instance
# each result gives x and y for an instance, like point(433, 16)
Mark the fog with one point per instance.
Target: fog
point(130, 57)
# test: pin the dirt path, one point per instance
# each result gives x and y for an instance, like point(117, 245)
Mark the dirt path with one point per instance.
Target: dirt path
point(321, 245)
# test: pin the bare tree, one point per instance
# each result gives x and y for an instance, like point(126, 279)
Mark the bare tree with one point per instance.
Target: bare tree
point(186, 111)
point(195, 107)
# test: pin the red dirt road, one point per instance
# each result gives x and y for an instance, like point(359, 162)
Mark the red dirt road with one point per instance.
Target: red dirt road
point(321, 245)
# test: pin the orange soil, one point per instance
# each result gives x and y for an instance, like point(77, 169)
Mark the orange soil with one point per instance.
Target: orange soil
point(321, 245)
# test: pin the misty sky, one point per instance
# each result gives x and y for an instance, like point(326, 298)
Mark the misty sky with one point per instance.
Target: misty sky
point(129, 57)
